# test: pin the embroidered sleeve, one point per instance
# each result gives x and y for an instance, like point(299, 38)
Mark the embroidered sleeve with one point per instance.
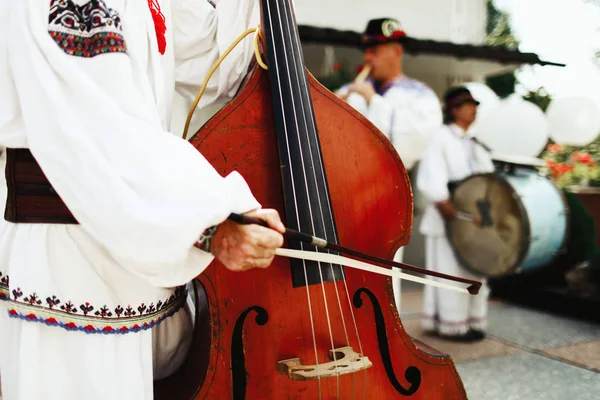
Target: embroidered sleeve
point(92, 124)
point(202, 31)
point(86, 30)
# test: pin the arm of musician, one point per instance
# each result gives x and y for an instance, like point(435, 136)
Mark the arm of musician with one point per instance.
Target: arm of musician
point(432, 175)
point(353, 99)
point(447, 209)
point(202, 32)
point(144, 194)
point(396, 116)
point(10, 123)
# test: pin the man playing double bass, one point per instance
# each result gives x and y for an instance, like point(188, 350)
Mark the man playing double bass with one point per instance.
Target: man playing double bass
point(452, 156)
point(107, 211)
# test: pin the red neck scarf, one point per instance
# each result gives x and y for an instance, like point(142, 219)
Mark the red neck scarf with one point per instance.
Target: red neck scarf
point(159, 25)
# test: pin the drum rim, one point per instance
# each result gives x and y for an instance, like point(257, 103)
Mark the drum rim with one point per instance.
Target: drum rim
point(567, 234)
point(525, 241)
point(563, 246)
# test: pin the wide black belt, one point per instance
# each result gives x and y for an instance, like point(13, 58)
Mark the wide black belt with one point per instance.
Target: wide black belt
point(31, 198)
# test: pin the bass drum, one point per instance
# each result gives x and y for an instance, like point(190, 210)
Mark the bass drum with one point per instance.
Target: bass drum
point(529, 222)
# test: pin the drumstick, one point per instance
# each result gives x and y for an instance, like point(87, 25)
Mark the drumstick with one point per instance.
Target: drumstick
point(465, 216)
point(364, 74)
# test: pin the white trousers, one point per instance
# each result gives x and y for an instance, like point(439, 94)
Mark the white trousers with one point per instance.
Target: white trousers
point(45, 362)
point(447, 311)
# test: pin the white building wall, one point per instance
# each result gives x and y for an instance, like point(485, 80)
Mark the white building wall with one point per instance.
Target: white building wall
point(460, 21)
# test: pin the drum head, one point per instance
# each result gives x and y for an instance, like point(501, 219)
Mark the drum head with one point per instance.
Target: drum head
point(495, 250)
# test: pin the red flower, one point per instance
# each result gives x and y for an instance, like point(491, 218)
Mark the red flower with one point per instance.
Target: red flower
point(560, 169)
point(584, 158)
point(554, 148)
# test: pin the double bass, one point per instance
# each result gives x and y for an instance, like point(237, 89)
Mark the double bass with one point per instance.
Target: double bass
point(304, 329)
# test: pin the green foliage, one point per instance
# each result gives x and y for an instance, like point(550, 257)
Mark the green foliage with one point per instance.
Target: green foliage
point(498, 28)
point(341, 75)
point(502, 85)
point(500, 34)
point(540, 97)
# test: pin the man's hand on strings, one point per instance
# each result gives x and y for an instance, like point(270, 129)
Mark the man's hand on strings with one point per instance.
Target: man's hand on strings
point(365, 89)
point(243, 247)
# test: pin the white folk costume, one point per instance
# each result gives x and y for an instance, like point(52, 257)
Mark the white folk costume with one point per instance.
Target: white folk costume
point(87, 86)
point(407, 112)
point(451, 157)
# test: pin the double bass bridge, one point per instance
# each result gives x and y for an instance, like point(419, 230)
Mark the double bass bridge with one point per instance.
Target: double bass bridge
point(344, 360)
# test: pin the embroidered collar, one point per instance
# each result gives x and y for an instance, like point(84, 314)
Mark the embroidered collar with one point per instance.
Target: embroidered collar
point(381, 89)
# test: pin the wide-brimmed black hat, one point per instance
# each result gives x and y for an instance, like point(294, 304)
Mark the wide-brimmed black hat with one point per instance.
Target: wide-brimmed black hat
point(456, 96)
point(383, 30)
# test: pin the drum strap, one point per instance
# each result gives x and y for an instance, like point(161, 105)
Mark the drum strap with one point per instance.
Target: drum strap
point(30, 196)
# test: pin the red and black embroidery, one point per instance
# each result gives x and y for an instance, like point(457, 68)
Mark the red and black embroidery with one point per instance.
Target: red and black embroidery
point(86, 317)
point(4, 290)
point(87, 30)
point(52, 301)
point(69, 308)
point(33, 300)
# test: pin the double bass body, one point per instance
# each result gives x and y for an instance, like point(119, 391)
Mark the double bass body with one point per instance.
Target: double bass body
point(299, 330)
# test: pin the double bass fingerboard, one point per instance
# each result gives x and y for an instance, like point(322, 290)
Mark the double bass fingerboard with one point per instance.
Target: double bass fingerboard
point(307, 202)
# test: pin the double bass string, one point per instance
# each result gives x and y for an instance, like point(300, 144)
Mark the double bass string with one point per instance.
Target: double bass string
point(304, 175)
point(330, 212)
point(276, 60)
point(309, 120)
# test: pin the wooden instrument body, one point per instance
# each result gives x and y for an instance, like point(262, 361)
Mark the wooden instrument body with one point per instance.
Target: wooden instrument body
point(255, 319)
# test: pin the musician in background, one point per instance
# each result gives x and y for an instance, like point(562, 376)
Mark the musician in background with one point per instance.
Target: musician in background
point(451, 156)
point(407, 111)
point(97, 309)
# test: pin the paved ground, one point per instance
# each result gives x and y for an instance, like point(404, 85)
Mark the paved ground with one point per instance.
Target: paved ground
point(528, 355)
